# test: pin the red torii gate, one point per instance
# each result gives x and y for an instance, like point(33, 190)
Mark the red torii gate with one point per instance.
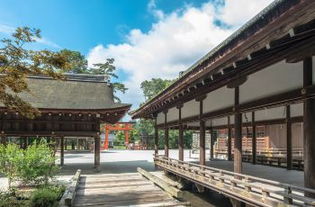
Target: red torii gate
point(120, 126)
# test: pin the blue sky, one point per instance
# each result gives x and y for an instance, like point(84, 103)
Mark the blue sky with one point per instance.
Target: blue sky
point(147, 38)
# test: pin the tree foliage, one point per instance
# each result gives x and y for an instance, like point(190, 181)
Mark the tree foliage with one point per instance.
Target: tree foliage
point(79, 64)
point(34, 165)
point(17, 62)
point(145, 127)
point(154, 86)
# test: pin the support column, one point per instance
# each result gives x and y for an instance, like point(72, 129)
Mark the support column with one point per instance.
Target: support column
point(202, 135)
point(156, 136)
point(238, 134)
point(97, 152)
point(126, 138)
point(254, 140)
point(229, 143)
point(66, 143)
point(289, 137)
point(309, 128)
point(180, 135)
point(213, 137)
point(3, 139)
point(62, 152)
point(166, 145)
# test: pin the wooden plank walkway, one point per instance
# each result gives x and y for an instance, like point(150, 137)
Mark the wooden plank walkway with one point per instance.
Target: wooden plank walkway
point(126, 189)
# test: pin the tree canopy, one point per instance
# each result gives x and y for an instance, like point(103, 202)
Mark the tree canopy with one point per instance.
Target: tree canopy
point(17, 63)
point(152, 87)
point(79, 65)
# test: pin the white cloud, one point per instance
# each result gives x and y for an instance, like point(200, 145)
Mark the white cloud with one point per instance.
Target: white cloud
point(8, 30)
point(174, 42)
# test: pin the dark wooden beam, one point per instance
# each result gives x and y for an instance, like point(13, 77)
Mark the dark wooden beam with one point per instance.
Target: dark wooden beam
point(156, 136)
point(238, 134)
point(180, 135)
point(62, 150)
point(202, 136)
point(229, 138)
point(213, 137)
point(289, 137)
point(97, 153)
point(254, 141)
point(309, 128)
point(166, 136)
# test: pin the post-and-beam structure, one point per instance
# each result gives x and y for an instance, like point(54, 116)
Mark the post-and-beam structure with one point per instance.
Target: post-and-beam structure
point(212, 137)
point(202, 135)
point(97, 152)
point(308, 127)
point(62, 152)
point(238, 133)
point(156, 136)
point(229, 150)
point(289, 137)
point(180, 134)
point(166, 142)
point(3, 139)
point(254, 140)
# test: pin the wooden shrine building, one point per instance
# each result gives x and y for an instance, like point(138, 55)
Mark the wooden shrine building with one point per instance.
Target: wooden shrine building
point(74, 107)
point(264, 71)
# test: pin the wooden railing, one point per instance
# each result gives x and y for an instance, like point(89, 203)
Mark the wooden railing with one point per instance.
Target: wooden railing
point(251, 190)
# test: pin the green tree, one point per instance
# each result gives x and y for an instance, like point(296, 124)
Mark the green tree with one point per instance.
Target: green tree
point(10, 160)
point(154, 86)
point(79, 63)
point(109, 71)
point(17, 62)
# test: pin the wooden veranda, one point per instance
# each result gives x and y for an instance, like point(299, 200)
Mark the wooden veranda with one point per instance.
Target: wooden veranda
point(264, 72)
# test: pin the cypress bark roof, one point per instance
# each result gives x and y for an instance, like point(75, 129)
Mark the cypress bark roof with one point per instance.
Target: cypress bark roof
point(77, 92)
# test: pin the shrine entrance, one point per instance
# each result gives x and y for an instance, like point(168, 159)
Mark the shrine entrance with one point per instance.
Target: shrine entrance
point(120, 126)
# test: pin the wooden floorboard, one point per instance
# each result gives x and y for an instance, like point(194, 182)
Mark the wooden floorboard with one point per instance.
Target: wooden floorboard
point(129, 189)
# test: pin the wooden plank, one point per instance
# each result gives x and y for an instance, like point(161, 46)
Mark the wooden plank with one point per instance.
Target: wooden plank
point(158, 181)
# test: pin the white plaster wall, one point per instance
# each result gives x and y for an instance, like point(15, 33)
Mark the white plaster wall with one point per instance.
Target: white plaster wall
point(296, 110)
point(270, 114)
point(275, 79)
point(218, 99)
point(172, 114)
point(160, 118)
point(190, 108)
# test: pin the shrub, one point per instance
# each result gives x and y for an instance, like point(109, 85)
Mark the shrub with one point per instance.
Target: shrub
point(38, 164)
point(9, 200)
point(34, 165)
point(44, 197)
point(11, 157)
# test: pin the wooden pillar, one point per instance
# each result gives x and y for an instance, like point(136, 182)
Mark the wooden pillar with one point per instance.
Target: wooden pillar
point(156, 136)
point(97, 152)
point(229, 143)
point(289, 137)
point(166, 144)
point(202, 135)
point(3, 139)
point(25, 139)
point(309, 128)
point(180, 135)
point(213, 137)
point(62, 152)
point(254, 140)
point(238, 134)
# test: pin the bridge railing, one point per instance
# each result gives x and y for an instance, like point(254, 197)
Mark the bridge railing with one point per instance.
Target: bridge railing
point(249, 189)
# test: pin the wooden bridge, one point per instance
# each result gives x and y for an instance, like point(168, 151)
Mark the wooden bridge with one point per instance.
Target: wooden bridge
point(248, 189)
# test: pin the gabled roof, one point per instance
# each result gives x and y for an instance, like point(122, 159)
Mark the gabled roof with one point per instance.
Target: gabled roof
point(77, 92)
point(273, 23)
